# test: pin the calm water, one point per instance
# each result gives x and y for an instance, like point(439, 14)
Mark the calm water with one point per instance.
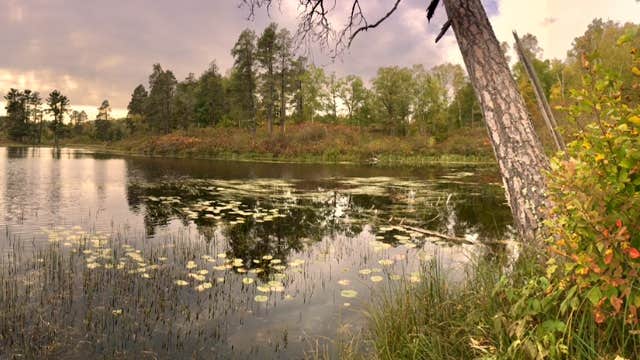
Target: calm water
point(133, 257)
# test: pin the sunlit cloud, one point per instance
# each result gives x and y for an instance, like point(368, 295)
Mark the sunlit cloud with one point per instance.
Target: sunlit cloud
point(15, 11)
point(557, 23)
point(94, 51)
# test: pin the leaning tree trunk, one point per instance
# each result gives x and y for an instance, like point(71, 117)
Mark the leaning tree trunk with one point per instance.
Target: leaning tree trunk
point(515, 143)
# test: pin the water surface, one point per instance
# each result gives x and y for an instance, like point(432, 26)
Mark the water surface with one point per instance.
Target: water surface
point(139, 257)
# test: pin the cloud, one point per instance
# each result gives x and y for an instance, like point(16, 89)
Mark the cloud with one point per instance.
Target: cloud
point(94, 50)
point(15, 11)
point(557, 23)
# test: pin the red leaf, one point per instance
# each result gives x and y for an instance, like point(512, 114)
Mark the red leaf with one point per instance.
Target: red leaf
point(616, 302)
point(608, 257)
point(634, 253)
point(619, 223)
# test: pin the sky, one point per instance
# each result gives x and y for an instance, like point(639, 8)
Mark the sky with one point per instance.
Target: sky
point(93, 50)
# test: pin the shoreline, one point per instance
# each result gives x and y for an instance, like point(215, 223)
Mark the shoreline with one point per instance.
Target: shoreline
point(384, 160)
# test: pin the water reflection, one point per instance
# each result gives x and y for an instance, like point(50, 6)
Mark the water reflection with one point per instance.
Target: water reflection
point(186, 248)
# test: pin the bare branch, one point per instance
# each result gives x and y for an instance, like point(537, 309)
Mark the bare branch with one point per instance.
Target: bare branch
point(314, 25)
point(431, 9)
point(444, 29)
point(367, 26)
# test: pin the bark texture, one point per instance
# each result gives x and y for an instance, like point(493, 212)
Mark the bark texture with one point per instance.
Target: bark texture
point(516, 146)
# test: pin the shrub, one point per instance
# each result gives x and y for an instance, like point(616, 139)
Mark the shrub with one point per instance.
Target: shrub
point(595, 219)
point(586, 304)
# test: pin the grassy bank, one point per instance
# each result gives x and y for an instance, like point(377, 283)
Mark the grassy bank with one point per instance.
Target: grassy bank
point(500, 311)
point(312, 143)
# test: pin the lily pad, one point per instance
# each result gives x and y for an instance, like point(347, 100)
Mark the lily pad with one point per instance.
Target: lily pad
point(348, 293)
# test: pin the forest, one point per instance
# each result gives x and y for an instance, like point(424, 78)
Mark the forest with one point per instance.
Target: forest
point(270, 89)
point(277, 209)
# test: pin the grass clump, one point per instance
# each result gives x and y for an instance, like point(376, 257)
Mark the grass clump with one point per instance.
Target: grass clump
point(436, 319)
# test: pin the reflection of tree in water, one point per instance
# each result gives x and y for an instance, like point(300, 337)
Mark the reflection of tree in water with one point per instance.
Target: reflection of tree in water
point(306, 223)
point(306, 217)
point(18, 152)
point(477, 209)
point(302, 222)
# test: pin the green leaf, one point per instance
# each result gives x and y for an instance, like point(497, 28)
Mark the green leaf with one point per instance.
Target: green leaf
point(594, 295)
point(623, 176)
point(553, 326)
point(623, 39)
point(627, 163)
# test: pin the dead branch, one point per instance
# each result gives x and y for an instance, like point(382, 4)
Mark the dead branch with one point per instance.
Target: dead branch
point(315, 26)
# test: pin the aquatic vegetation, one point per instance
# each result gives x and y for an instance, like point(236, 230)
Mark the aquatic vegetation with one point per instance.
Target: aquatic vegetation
point(348, 293)
point(204, 286)
point(211, 252)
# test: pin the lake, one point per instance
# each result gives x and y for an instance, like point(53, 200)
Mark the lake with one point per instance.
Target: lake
point(136, 257)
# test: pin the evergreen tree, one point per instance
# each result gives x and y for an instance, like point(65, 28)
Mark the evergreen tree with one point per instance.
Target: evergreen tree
point(266, 55)
point(17, 116)
point(243, 78)
point(162, 87)
point(104, 111)
point(298, 74)
point(184, 102)
point(138, 101)
point(285, 60)
point(35, 114)
point(210, 97)
point(58, 107)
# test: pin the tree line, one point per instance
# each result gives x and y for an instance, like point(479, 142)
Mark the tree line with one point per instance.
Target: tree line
point(270, 85)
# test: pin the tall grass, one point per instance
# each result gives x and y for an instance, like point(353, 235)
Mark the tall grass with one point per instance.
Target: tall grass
point(481, 317)
point(436, 319)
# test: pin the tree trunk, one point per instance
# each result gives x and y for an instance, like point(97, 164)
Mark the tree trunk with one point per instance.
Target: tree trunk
point(283, 95)
point(543, 103)
point(272, 91)
point(515, 143)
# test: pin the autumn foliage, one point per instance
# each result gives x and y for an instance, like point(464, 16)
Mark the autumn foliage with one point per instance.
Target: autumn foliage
point(595, 191)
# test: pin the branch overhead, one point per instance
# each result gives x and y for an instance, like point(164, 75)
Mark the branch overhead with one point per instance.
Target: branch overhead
point(315, 21)
point(431, 9)
point(366, 26)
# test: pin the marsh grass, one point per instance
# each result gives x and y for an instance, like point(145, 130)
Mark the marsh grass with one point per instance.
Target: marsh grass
point(306, 143)
point(59, 302)
point(433, 320)
point(481, 317)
